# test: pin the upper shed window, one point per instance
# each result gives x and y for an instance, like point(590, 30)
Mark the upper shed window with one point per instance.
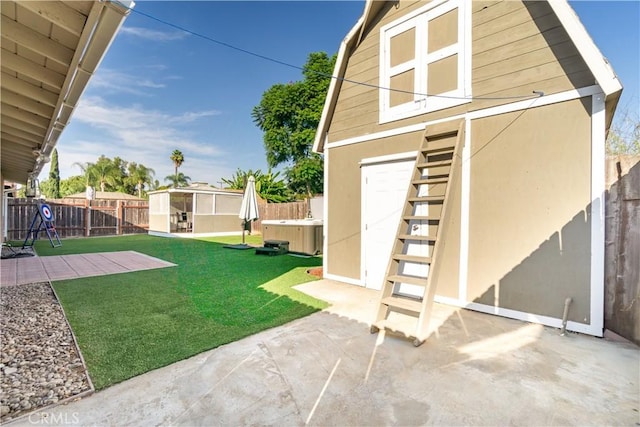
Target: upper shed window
point(422, 54)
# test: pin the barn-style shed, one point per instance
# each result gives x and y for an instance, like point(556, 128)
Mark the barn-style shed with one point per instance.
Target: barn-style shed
point(469, 166)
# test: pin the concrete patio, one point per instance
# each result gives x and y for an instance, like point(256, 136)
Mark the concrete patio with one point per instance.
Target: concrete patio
point(327, 369)
point(34, 269)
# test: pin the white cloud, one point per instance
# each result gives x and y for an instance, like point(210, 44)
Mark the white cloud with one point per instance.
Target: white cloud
point(114, 81)
point(136, 134)
point(155, 35)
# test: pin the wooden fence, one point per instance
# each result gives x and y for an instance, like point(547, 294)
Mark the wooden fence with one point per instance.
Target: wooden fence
point(622, 249)
point(80, 217)
point(293, 210)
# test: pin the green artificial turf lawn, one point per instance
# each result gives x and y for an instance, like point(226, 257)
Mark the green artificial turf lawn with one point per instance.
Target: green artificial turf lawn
point(127, 324)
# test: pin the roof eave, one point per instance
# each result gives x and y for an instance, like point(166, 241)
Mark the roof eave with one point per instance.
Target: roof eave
point(338, 73)
point(101, 28)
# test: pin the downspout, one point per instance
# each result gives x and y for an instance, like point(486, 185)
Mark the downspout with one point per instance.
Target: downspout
point(565, 315)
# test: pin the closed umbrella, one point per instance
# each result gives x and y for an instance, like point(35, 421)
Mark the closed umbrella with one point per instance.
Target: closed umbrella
point(249, 207)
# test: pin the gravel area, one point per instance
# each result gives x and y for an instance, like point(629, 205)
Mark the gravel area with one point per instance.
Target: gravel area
point(38, 358)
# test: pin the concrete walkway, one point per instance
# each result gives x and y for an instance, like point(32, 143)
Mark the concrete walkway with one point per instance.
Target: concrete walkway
point(18, 271)
point(328, 370)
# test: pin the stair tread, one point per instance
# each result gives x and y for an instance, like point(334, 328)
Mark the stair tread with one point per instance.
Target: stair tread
point(434, 164)
point(408, 304)
point(416, 237)
point(413, 258)
point(437, 151)
point(426, 199)
point(422, 217)
point(419, 281)
point(430, 181)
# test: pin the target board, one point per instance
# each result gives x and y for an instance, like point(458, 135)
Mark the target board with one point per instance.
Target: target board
point(45, 211)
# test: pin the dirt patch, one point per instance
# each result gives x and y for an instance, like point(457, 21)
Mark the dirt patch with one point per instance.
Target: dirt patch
point(317, 271)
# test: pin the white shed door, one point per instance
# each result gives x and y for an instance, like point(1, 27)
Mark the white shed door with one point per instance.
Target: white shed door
point(384, 189)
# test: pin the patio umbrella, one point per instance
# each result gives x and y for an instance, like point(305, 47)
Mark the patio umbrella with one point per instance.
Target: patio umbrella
point(249, 207)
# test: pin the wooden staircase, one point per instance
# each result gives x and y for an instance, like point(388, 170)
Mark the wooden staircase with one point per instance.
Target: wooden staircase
point(415, 254)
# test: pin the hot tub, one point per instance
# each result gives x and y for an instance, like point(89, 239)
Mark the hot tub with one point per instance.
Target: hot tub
point(303, 235)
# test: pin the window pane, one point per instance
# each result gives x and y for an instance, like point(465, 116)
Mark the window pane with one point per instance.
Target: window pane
point(204, 204)
point(442, 76)
point(403, 47)
point(443, 31)
point(402, 81)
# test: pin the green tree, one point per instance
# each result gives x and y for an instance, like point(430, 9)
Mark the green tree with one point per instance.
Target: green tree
point(88, 172)
point(122, 182)
point(178, 159)
point(307, 176)
point(624, 135)
point(289, 114)
point(139, 176)
point(178, 180)
point(72, 185)
point(54, 175)
point(47, 189)
point(268, 186)
point(106, 173)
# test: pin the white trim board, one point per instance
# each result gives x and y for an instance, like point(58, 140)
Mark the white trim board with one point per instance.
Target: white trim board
point(465, 200)
point(343, 279)
point(519, 315)
point(389, 158)
point(597, 213)
point(477, 114)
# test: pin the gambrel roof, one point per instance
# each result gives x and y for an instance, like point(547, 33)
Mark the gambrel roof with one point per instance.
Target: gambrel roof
point(597, 63)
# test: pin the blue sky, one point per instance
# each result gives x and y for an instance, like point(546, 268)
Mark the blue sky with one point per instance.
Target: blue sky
point(160, 89)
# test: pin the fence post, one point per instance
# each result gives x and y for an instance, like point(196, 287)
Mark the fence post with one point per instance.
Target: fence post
point(119, 216)
point(87, 217)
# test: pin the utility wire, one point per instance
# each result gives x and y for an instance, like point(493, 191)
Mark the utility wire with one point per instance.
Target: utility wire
point(535, 93)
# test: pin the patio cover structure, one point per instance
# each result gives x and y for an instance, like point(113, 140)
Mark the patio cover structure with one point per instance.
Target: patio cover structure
point(195, 211)
point(50, 50)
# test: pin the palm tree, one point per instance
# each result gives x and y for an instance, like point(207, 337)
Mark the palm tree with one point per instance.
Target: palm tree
point(88, 172)
point(177, 158)
point(178, 180)
point(139, 175)
point(268, 186)
point(106, 172)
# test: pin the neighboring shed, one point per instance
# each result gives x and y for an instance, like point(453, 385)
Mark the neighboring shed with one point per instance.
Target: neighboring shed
point(496, 123)
point(197, 210)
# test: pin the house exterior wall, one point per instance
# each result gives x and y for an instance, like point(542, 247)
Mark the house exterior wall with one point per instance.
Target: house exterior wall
point(512, 55)
point(529, 210)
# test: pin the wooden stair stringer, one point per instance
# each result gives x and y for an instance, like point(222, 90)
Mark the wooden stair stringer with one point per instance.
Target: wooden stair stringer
point(422, 328)
point(443, 219)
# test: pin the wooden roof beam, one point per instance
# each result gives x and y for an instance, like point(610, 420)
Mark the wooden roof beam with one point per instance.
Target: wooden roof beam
point(29, 68)
point(24, 103)
point(58, 14)
point(26, 37)
point(25, 88)
point(16, 140)
point(25, 116)
point(25, 127)
point(22, 134)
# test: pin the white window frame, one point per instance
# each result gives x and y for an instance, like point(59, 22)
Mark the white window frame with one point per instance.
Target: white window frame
point(419, 20)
